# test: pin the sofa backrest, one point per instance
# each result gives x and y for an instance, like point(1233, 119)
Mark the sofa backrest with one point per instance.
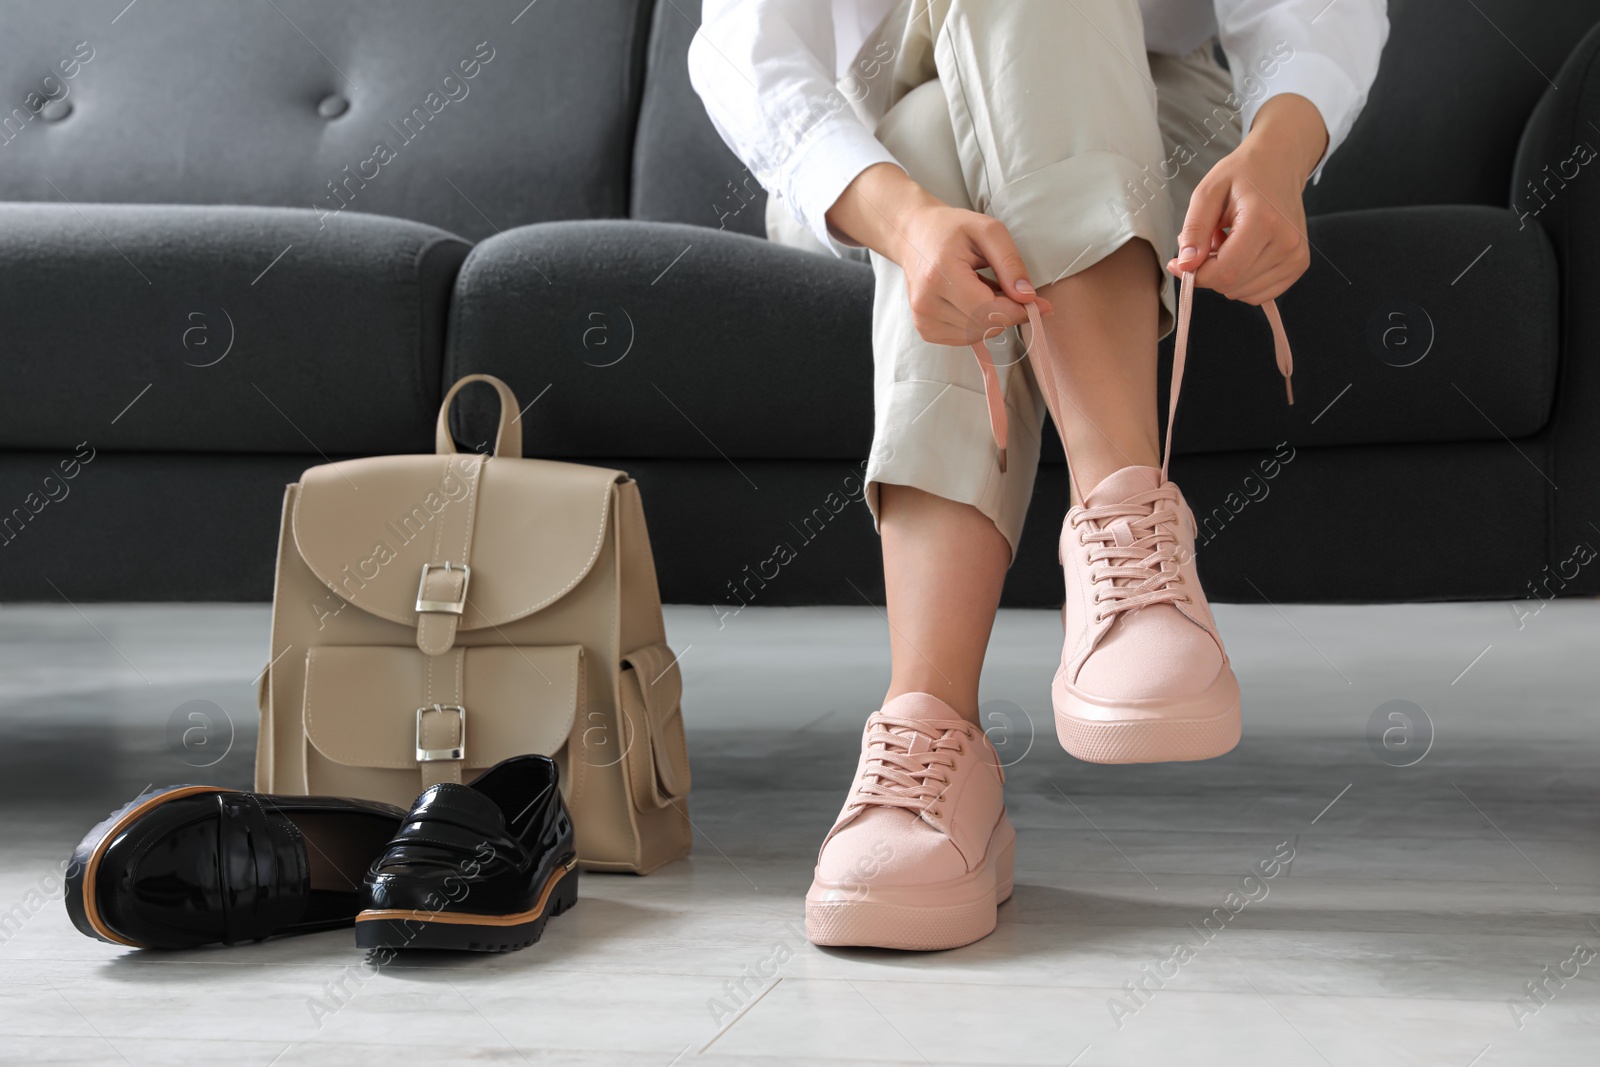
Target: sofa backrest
point(1454, 92)
point(1455, 89)
point(474, 116)
point(682, 172)
point(484, 115)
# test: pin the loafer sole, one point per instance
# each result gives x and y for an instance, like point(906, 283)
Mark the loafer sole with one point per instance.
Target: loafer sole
point(917, 918)
point(397, 928)
point(83, 873)
point(1149, 731)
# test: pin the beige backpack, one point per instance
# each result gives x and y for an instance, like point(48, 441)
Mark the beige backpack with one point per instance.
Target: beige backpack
point(437, 614)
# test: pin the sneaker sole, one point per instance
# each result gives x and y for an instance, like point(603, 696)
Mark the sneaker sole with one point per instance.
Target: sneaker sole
point(917, 918)
point(397, 928)
point(1201, 727)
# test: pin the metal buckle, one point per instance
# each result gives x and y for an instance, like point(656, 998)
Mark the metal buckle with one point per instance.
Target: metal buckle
point(433, 755)
point(448, 607)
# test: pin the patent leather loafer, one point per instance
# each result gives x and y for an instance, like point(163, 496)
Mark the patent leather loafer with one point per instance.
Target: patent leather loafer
point(480, 867)
point(194, 865)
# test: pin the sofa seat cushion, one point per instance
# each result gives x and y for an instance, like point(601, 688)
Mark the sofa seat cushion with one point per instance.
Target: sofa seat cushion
point(665, 340)
point(1413, 325)
point(220, 329)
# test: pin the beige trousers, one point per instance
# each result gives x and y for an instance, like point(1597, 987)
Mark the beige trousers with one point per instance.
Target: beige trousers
point(1052, 118)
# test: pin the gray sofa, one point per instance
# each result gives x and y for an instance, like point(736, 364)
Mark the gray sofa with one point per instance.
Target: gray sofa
point(236, 240)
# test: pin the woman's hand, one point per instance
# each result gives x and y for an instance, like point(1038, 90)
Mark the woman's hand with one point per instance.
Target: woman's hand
point(941, 249)
point(1255, 193)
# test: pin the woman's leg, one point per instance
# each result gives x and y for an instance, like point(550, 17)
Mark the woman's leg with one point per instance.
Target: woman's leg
point(948, 516)
point(943, 566)
point(1028, 114)
point(1104, 333)
point(944, 562)
point(1107, 322)
point(920, 856)
point(1056, 121)
point(1103, 341)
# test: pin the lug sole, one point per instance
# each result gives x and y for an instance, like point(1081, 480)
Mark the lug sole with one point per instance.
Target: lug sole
point(1199, 728)
point(949, 916)
point(398, 928)
point(83, 905)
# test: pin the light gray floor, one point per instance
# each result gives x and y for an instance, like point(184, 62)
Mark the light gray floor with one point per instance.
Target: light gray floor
point(1420, 902)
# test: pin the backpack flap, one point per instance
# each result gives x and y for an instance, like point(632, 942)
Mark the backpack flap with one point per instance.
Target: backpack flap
point(519, 533)
point(658, 752)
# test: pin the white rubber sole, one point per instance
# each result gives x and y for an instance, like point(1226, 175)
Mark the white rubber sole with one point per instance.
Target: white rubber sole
point(1204, 726)
point(917, 918)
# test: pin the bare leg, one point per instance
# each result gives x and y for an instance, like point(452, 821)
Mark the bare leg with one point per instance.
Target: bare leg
point(1103, 340)
point(943, 566)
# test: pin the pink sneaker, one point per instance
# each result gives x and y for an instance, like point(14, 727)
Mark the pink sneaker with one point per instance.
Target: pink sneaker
point(1144, 677)
point(921, 856)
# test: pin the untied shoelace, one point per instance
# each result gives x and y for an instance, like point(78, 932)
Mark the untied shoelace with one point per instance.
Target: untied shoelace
point(1141, 550)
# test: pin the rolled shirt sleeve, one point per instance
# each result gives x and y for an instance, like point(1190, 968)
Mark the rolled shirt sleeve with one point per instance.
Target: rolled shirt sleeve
point(1324, 51)
point(765, 71)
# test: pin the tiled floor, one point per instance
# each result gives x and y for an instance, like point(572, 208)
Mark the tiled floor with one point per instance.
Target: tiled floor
point(1420, 902)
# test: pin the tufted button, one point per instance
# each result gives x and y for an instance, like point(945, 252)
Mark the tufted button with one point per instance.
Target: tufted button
point(55, 110)
point(332, 106)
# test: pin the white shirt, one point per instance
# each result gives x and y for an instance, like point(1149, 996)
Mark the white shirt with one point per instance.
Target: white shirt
point(787, 84)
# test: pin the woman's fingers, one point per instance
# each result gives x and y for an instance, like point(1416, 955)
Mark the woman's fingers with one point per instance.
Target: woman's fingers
point(1045, 307)
point(976, 307)
point(1000, 255)
point(1276, 283)
point(1251, 202)
point(1200, 225)
point(951, 302)
point(1244, 256)
point(1278, 264)
point(973, 311)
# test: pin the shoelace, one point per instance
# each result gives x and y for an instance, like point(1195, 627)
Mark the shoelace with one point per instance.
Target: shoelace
point(896, 777)
point(995, 397)
point(1137, 539)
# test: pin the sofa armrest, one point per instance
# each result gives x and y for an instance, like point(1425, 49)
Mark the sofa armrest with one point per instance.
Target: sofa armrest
point(1556, 185)
point(661, 340)
point(220, 329)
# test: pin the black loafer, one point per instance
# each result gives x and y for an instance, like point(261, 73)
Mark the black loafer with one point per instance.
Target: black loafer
point(194, 865)
point(480, 867)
